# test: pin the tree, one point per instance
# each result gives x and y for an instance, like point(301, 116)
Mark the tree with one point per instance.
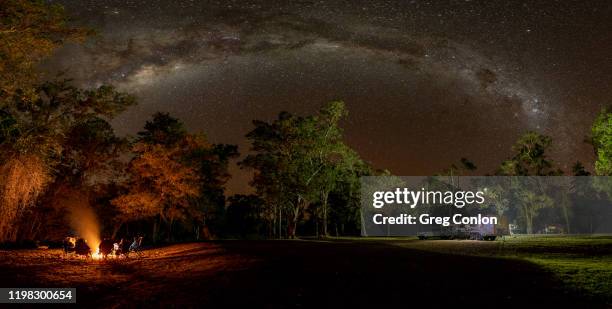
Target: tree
point(578, 169)
point(531, 202)
point(277, 158)
point(162, 129)
point(530, 160)
point(211, 163)
point(465, 166)
point(245, 214)
point(160, 183)
point(602, 142)
point(29, 32)
point(530, 157)
point(345, 200)
point(160, 186)
point(333, 159)
point(174, 177)
point(298, 161)
point(50, 131)
point(90, 150)
point(35, 140)
point(89, 162)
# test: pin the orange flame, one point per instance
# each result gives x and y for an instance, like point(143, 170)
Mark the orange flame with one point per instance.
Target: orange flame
point(84, 221)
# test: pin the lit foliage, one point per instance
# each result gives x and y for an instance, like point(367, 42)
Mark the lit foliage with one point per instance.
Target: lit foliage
point(29, 31)
point(602, 142)
point(530, 160)
point(36, 119)
point(36, 135)
point(174, 176)
point(160, 184)
point(22, 179)
point(530, 157)
point(299, 161)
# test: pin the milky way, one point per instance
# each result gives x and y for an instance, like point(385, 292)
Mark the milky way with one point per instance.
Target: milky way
point(426, 82)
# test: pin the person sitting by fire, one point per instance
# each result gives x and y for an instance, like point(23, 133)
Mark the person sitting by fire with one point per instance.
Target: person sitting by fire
point(68, 244)
point(106, 247)
point(124, 246)
point(117, 248)
point(135, 246)
point(81, 247)
point(121, 248)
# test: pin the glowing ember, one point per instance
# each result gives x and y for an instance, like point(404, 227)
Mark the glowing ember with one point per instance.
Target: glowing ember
point(96, 255)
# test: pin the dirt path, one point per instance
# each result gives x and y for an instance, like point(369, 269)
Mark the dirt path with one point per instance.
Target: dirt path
point(280, 274)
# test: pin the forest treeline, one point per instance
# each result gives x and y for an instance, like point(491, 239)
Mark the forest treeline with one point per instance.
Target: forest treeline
point(58, 152)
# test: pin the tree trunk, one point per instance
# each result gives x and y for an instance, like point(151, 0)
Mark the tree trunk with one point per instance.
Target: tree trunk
point(292, 226)
point(272, 234)
point(324, 198)
point(364, 232)
point(566, 213)
point(528, 220)
point(154, 236)
point(169, 236)
point(292, 222)
point(280, 223)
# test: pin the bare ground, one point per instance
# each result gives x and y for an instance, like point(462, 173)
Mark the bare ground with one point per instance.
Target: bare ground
point(280, 274)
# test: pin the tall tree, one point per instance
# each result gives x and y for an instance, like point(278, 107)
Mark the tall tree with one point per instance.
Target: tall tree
point(174, 176)
point(530, 160)
point(602, 142)
point(246, 215)
point(90, 161)
point(530, 157)
point(277, 159)
point(35, 139)
point(212, 163)
point(29, 31)
point(601, 138)
point(160, 186)
point(163, 129)
point(298, 162)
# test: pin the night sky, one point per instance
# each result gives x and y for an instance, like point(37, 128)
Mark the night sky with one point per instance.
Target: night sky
point(425, 82)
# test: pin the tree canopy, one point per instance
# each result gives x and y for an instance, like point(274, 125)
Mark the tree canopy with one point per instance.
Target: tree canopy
point(530, 157)
point(29, 32)
point(602, 142)
point(299, 161)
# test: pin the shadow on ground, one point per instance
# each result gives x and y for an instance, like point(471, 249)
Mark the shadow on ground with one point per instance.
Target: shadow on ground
point(280, 274)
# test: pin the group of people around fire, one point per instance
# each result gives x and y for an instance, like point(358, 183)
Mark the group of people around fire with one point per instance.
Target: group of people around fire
point(107, 247)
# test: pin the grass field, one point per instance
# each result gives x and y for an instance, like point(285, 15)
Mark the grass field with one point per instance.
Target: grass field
point(582, 263)
point(355, 272)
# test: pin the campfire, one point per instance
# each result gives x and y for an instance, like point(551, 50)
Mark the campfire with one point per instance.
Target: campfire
point(106, 249)
point(89, 243)
point(96, 255)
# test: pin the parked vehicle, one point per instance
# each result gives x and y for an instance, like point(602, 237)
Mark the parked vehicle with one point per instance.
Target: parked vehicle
point(467, 231)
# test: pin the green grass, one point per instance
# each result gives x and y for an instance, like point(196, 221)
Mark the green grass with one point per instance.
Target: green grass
point(582, 263)
point(591, 276)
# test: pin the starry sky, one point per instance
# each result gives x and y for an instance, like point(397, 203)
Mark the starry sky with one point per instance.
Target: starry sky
point(425, 82)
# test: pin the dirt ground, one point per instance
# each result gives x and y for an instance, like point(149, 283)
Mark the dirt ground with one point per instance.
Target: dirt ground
point(281, 274)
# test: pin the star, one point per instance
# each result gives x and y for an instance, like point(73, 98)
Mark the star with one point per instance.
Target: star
point(413, 85)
